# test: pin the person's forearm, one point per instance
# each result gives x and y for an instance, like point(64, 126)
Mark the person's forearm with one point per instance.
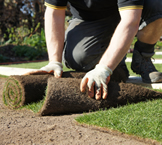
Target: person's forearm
point(120, 43)
point(54, 30)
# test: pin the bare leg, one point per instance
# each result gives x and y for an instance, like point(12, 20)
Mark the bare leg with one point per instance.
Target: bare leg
point(144, 50)
point(151, 33)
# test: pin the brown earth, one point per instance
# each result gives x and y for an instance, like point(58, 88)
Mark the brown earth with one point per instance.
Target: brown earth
point(24, 127)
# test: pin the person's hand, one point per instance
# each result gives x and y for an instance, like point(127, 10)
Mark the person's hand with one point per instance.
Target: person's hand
point(99, 78)
point(53, 67)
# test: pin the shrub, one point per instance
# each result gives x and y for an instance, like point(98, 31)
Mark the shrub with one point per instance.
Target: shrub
point(27, 52)
point(3, 58)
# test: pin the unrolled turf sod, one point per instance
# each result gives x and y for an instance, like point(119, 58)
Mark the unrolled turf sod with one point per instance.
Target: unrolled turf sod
point(64, 96)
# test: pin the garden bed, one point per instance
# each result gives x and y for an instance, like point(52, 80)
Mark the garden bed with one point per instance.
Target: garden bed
point(11, 54)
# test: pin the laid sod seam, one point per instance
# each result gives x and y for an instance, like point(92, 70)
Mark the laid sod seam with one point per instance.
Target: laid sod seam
point(143, 119)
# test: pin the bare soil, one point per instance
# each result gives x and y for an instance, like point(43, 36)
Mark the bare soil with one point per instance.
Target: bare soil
point(25, 127)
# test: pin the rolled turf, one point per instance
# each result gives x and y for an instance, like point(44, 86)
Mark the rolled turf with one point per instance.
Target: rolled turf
point(21, 90)
point(64, 96)
point(25, 89)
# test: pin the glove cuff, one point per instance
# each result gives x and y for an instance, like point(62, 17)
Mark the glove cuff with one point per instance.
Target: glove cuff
point(55, 62)
point(100, 66)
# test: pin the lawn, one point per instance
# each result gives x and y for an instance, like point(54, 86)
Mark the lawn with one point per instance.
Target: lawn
point(37, 65)
point(143, 119)
point(32, 65)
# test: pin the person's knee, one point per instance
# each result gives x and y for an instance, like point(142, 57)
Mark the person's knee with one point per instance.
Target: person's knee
point(153, 29)
point(158, 23)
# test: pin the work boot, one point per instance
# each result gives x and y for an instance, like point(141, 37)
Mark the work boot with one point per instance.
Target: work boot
point(124, 67)
point(142, 64)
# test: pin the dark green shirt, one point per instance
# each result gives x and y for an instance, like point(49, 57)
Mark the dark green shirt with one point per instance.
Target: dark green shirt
point(95, 9)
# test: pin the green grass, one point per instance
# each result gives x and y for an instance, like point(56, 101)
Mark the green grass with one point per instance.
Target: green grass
point(33, 65)
point(38, 65)
point(3, 76)
point(35, 106)
point(143, 119)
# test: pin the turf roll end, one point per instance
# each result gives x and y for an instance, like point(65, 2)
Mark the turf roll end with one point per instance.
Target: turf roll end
point(13, 94)
point(22, 90)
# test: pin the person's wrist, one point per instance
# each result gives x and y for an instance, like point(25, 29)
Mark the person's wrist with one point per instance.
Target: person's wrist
point(56, 63)
point(104, 67)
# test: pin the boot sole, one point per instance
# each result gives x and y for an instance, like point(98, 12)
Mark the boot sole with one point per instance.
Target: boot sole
point(156, 80)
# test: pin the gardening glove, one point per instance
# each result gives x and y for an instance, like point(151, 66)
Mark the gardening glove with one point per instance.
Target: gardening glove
point(98, 77)
point(53, 67)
